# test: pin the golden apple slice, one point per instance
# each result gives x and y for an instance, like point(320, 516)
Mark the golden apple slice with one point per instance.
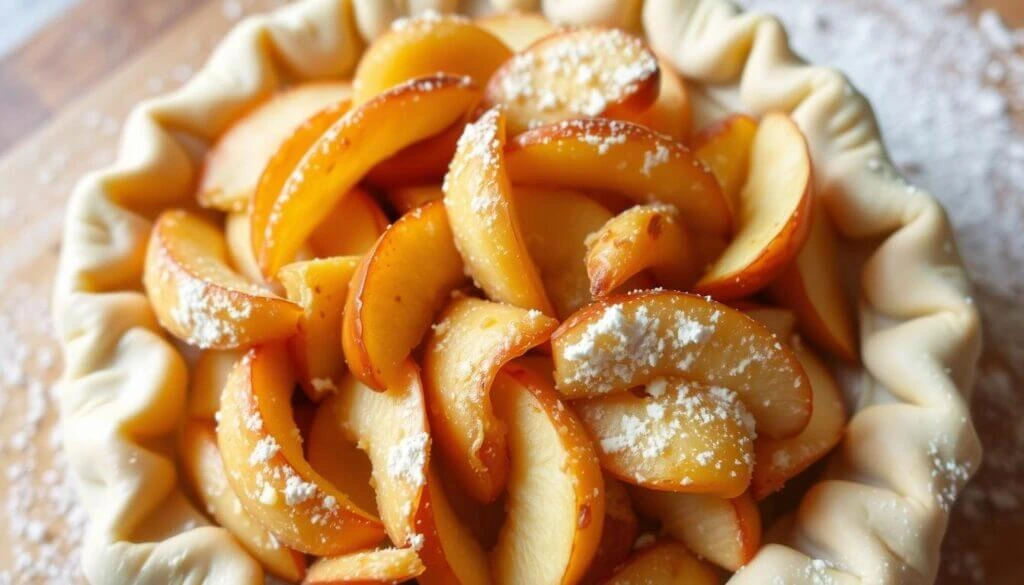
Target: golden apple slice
point(405, 199)
point(640, 238)
point(400, 283)
point(484, 221)
point(625, 158)
point(427, 45)
point(204, 468)
point(781, 322)
point(239, 245)
point(581, 73)
point(207, 380)
point(556, 502)
point(664, 563)
point(391, 428)
point(518, 30)
point(351, 228)
point(372, 567)
point(198, 298)
point(618, 535)
point(725, 148)
point(483, 520)
point(425, 161)
point(774, 213)
point(726, 532)
point(811, 287)
point(262, 452)
point(338, 459)
point(320, 288)
point(556, 224)
point(777, 461)
point(364, 136)
point(670, 114)
point(232, 167)
point(472, 339)
point(630, 340)
point(680, 436)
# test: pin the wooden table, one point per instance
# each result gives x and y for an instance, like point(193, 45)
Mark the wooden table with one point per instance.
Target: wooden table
point(62, 97)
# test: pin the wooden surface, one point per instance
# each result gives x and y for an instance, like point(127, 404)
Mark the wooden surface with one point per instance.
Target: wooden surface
point(62, 97)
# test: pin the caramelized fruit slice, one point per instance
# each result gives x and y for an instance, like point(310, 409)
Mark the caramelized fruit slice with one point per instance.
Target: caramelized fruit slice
point(774, 214)
point(338, 459)
point(319, 287)
point(781, 322)
point(202, 464)
point(618, 535)
point(405, 199)
point(574, 74)
point(483, 217)
point(262, 453)
point(199, 298)
point(425, 161)
point(364, 136)
point(640, 238)
point(232, 167)
point(630, 340)
point(372, 567)
point(811, 287)
point(678, 437)
point(556, 224)
point(725, 532)
point(778, 461)
point(665, 563)
point(625, 158)
point(351, 228)
point(556, 503)
point(239, 245)
point(518, 30)
point(470, 342)
point(670, 114)
point(399, 285)
point(207, 380)
point(725, 149)
point(427, 45)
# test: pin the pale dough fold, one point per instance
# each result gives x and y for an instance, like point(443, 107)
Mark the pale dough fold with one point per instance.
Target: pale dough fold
point(879, 516)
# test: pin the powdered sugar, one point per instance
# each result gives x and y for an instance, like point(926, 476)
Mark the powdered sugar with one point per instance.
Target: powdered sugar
point(407, 460)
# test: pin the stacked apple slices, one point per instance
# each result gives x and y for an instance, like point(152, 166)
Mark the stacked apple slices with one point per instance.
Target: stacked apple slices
point(529, 313)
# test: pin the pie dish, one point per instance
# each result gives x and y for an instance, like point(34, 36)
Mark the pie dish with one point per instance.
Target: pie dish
point(878, 512)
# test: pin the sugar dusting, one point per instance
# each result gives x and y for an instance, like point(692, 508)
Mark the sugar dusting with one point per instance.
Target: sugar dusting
point(946, 84)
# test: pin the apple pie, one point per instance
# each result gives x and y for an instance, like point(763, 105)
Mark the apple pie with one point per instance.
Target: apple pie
point(616, 292)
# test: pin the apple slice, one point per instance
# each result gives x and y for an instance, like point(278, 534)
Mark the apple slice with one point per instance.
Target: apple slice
point(726, 532)
point(556, 224)
point(204, 468)
point(483, 217)
point(725, 148)
point(556, 502)
point(781, 322)
point(618, 535)
point(518, 30)
point(239, 246)
point(399, 285)
point(367, 134)
point(664, 563)
point(774, 213)
point(262, 452)
point(405, 199)
point(319, 287)
point(811, 287)
point(391, 428)
point(580, 73)
point(198, 298)
point(372, 567)
point(351, 228)
point(625, 158)
point(206, 382)
point(670, 114)
point(630, 340)
point(680, 436)
point(427, 45)
point(640, 238)
point(471, 341)
point(338, 459)
point(777, 461)
point(232, 167)
point(425, 161)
